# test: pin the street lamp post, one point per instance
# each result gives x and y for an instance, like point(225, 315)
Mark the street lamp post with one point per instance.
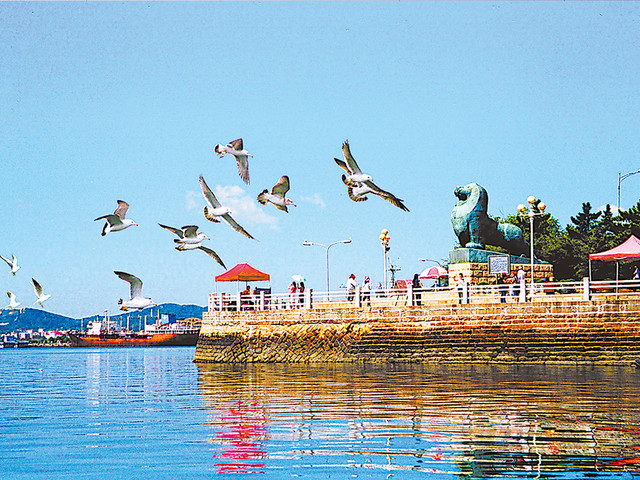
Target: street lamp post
point(621, 177)
point(536, 207)
point(384, 239)
point(309, 244)
point(430, 260)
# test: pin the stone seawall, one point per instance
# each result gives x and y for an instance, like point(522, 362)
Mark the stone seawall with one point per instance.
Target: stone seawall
point(604, 332)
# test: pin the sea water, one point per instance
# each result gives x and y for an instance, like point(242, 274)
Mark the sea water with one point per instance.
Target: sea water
point(151, 413)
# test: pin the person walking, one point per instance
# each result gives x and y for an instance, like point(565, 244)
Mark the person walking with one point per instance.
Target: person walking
point(351, 287)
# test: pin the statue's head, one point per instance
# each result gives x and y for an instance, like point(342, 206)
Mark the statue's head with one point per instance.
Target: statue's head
point(463, 192)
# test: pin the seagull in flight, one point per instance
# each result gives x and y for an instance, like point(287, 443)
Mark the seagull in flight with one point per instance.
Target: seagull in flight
point(39, 292)
point(187, 235)
point(116, 221)
point(361, 184)
point(215, 210)
point(236, 149)
point(136, 300)
point(190, 239)
point(277, 195)
point(13, 263)
point(12, 301)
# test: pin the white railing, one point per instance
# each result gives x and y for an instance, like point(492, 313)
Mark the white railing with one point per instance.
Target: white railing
point(474, 294)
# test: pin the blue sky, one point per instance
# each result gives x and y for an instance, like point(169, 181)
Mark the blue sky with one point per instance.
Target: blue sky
point(107, 101)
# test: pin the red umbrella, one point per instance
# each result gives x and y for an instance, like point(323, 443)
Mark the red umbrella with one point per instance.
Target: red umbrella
point(434, 272)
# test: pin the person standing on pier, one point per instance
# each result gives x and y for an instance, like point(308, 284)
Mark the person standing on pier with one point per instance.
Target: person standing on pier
point(522, 283)
point(293, 300)
point(351, 287)
point(503, 288)
point(461, 285)
point(366, 291)
point(301, 293)
point(416, 286)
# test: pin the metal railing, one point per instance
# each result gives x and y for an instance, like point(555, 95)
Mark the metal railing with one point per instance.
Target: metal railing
point(435, 296)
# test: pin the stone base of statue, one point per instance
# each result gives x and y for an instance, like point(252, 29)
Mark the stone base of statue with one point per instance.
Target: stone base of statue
point(473, 263)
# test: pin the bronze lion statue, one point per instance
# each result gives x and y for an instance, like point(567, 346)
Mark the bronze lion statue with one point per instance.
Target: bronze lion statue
point(475, 229)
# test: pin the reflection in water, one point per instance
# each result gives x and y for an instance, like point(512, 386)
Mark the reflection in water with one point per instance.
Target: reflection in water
point(451, 421)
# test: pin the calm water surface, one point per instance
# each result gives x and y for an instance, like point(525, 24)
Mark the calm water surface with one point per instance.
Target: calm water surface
point(151, 413)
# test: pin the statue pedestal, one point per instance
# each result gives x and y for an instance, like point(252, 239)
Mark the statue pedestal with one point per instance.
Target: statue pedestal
point(473, 263)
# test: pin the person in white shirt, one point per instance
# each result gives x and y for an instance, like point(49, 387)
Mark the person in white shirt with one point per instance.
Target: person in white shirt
point(522, 284)
point(461, 285)
point(366, 291)
point(351, 287)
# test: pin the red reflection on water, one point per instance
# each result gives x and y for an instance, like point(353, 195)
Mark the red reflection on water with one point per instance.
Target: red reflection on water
point(241, 437)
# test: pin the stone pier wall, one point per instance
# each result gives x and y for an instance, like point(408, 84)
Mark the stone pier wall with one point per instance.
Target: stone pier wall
point(603, 331)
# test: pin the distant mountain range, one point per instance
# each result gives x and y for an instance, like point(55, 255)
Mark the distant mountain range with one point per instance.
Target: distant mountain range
point(33, 319)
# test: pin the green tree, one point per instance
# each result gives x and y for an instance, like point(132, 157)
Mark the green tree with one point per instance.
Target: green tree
point(551, 243)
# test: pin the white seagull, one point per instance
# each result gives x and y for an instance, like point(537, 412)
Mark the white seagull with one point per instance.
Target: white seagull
point(13, 263)
point(39, 293)
point(361, 183)
point(116, 221)
point(277, 195)
point(187, 235)
point(136, 300)
point(236, 149)
point(12, 301)
point(215, 210)
point(190, 239)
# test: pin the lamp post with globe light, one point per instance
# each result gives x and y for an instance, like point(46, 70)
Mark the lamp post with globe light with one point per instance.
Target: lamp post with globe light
point(384, 239)
point(309, 244)
point(536, 207)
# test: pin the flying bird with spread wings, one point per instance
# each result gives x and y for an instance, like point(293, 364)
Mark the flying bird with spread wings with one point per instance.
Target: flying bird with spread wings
point(215, 211)
point(236, 149)
point(190, 239)
point(117, 221)
point(135, 287)
point(13, 263)
point(360, 184)
point(277, 195)
point(39, 293)
point(13, 303)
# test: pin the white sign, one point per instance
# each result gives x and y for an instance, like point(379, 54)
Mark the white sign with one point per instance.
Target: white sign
point(499, 264)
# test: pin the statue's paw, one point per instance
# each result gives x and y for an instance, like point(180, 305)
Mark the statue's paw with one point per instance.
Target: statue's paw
point(474, 245)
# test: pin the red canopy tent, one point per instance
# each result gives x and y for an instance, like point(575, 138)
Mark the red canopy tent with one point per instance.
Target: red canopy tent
point(243, 272)
point(628, 250)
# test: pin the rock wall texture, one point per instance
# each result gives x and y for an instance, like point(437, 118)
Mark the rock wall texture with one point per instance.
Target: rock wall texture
point(604, 332)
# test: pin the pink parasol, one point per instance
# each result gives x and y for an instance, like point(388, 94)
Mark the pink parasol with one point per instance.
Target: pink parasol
point(434, 272)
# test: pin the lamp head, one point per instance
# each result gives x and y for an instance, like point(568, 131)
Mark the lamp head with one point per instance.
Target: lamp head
point(522, 208)
point(347, 241)
point(531, 200)
point(541, 206)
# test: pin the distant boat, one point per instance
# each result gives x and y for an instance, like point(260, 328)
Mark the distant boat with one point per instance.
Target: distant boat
point(107, 334)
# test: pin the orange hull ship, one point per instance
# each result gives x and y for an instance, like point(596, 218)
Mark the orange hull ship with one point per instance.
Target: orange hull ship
point(170, 339)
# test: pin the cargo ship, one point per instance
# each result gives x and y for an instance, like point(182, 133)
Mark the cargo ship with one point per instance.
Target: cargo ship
point(107, 334)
